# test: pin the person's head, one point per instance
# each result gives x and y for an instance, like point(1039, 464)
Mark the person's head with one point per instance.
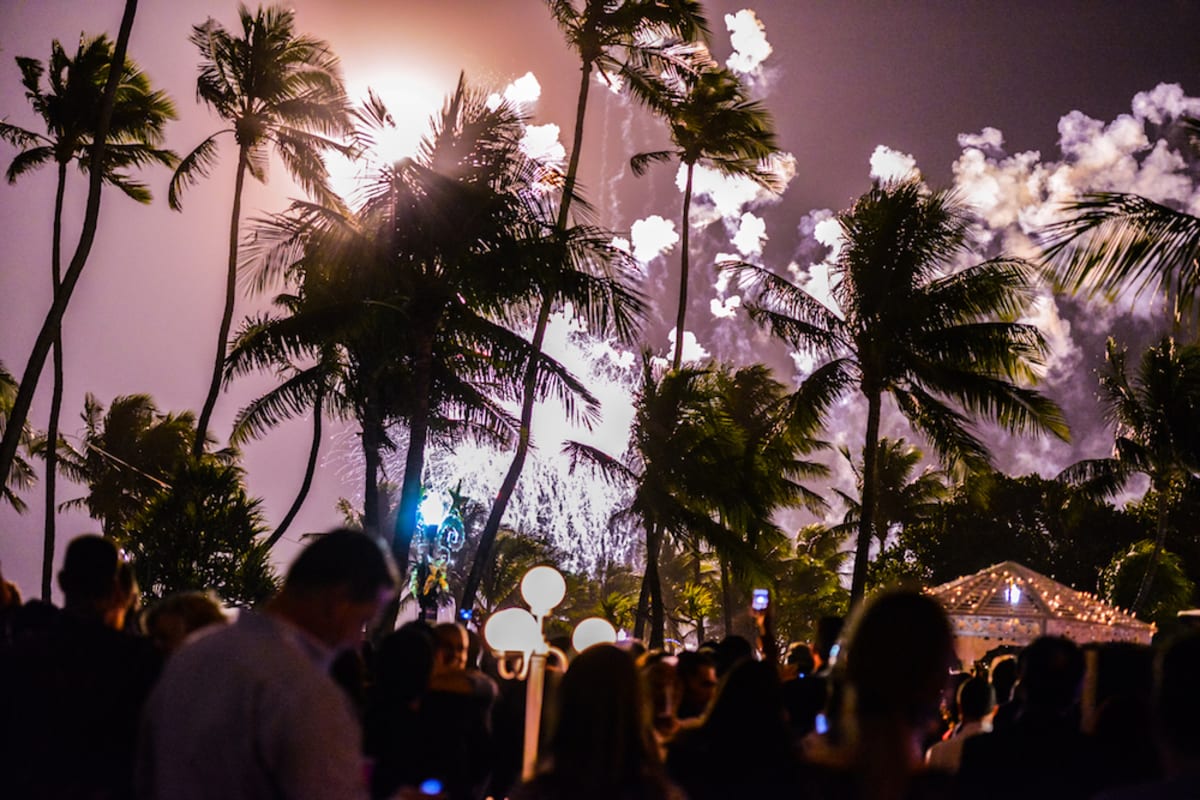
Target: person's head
point(747, 714)
point(662, 687)
point(799, 660)
point(899, 652)
point(975, 699)
point(697, 676)
point(602, 735)
point(1177, 701)
point(96, 581)
point(829, 629)
point(404, 666)
point(730, 651)
point(450, 640)
point(336, 586)
point(177, 616)
point(1050, 674)
point(1003, 675)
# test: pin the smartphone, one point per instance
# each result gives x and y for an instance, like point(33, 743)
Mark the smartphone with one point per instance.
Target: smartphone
point(821, 724)
point(761, 598)
point(431, 786)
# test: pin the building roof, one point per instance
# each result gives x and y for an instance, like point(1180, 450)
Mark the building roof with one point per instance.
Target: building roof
point(1009, 600)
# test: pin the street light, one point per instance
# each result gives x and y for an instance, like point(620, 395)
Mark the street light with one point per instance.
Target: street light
point(515, 630)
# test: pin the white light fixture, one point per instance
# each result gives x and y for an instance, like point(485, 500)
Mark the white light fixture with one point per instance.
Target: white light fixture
point(432, 509)
point(543, 588)
point(513, 630)
point(593, 630)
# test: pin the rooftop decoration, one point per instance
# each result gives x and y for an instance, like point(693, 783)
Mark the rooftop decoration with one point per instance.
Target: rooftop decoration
point(1008, 603)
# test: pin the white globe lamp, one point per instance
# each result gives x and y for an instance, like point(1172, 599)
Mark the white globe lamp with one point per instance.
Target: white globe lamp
point(512, 630)
point(592, 631)
point(543, 588)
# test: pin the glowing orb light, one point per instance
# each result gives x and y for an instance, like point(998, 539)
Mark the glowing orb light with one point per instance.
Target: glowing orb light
point(512, 630)
point(543, 588)
point(593, 630)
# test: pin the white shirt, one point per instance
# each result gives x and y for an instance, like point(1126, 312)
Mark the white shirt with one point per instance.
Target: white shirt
point(947, 756)
point(249, 712)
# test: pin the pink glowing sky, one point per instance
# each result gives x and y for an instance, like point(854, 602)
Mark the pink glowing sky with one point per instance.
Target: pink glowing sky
point(843, 78)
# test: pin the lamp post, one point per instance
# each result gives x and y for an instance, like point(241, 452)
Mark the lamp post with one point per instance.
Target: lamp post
point(515, 630)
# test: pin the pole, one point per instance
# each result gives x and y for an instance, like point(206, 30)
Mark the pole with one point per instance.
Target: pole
point(533, 713)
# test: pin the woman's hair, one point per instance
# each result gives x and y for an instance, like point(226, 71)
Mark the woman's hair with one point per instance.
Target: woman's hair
point(747, 713)
point(602, 736)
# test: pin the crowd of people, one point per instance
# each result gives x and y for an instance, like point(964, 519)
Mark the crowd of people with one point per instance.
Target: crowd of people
point(103, 702)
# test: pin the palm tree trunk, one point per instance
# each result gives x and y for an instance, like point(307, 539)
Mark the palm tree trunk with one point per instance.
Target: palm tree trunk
point(641, 614)
point(414, 461)
point(309, 470)
point(697, 576)
point(862, 549)
point(487, 538)
point(372, 441)
point(56, 394)
point(681, 313)
point(651, 593)
point(214, 385)
point(91, 217)
point(1160, 539)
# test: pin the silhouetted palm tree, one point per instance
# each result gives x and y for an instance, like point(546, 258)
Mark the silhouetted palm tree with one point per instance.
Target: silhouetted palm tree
point(1154, 414)
point(279, 91)
point(628, 41)
point(903, 498)
point(937, 339)
point(52, 324)
point(21, 475)
point(713, 123)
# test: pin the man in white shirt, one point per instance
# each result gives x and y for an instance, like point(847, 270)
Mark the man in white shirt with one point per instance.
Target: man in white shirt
point(249, 711)
point(975, 704)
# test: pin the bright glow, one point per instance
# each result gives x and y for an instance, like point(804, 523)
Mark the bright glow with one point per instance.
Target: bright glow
point(513, 630)
point(432, 509)
point(1012, 594)
point(412, 99)
point(543, 588)
point(749, 39)
point(593, 630)
point(892, 165)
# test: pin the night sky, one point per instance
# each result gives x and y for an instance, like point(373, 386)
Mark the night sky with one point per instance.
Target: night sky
point(1019, 104)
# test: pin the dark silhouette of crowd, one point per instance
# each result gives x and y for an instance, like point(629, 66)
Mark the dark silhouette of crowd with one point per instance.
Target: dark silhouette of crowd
point(103, 701)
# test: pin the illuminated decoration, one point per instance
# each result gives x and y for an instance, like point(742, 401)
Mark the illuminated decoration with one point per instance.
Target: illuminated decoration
point(543, 589)
point(1009, 603)
point(440, 536)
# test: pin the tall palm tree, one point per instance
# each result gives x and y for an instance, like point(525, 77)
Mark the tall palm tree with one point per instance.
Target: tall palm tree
point(628, 41)
point(1154, 414)
point(939, 341)
point(277, 90)
point(678, 459)
point(904, 497)
point(309, 385)
point(21, 475)
point(713, 123)
point(420, 288)
point(70, 107)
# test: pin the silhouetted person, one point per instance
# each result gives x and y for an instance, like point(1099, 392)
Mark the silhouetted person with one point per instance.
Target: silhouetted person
point(72, 685)
point(174, 618)
point(1003, 676)
point(698, 679)
point(744, 747)
point(403, 666)
point(250, 710)
point(1176, 709)
point(1043, 754)
point(898, 654)
point(975, 703)
point(1116, 713)
point(601, 747)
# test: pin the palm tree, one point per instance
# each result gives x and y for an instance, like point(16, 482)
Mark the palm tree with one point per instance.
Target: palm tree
point(1155, 418)
point(277, 90)
point(939, 341)
point(128, 453)
point(767, 462)
point(902, 498)
point(21, 475)
point(70, 108)
point(1114, 239)
point(713, 123)
point(419, 289)
point(308, 387)
point(628, 41)
point(677, 461)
